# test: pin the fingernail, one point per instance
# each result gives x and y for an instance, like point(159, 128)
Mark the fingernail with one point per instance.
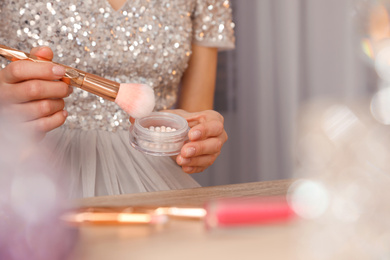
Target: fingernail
point(190, 151)
point(70, 90)
point(194, 135)
point(184, 160)
point(65, 113)
point(58, 70)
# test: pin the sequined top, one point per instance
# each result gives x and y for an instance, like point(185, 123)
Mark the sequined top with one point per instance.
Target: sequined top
point(146, 41)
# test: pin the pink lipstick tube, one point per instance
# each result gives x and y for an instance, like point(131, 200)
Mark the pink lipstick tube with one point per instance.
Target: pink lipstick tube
point(249, 211)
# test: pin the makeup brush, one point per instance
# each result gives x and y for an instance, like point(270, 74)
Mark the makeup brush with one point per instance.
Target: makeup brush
point(135, 99)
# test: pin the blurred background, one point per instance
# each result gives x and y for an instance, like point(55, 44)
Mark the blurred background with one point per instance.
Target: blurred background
point(306, 93)
point(287, 54)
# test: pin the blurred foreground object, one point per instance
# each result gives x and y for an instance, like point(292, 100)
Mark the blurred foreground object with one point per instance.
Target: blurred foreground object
point(249, 211)
point(343, 162)
point(372, 21)
point(219, 213)
point(31, 197)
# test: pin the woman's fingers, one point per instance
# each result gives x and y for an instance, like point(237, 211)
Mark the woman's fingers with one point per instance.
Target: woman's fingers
point(36, 109)
point(46, 124)
point(206, 138)
point(42, 52)
point(35, 90)
point(32, 93)
point(206, 130)
point(19, 71)
point(197, 156)
point(196, 164)
point(203, 116)
point(190, 169)
point(204, 147)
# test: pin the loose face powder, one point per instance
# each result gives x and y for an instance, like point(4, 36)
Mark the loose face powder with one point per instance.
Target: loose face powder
point(159, 134)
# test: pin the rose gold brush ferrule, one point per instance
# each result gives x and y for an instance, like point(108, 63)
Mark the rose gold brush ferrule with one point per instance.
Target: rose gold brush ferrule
point(102, 87)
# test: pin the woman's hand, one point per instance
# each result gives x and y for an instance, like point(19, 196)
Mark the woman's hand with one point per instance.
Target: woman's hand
point(33, 93)
point(206, 138)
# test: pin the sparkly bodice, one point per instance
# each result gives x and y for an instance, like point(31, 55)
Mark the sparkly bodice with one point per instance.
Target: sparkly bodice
point(146, 41)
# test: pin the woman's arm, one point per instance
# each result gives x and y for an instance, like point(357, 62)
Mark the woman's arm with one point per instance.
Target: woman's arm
point(207, 134)
point(198, 82)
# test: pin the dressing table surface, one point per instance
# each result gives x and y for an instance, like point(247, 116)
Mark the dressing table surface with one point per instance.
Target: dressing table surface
point(186, 239)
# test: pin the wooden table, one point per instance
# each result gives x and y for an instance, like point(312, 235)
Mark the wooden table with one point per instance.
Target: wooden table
point(186, 239)
point(191, 197)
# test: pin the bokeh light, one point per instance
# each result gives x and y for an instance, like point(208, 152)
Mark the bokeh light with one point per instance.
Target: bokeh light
point(343, 178)
point(382, 63)
point(31, 200)
point(380, 105)
point(28, 201)
point(372, 19)
point(340, 123)
point(309, 199)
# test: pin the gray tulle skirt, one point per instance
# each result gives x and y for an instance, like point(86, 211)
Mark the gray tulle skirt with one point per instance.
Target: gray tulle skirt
point(100, 163)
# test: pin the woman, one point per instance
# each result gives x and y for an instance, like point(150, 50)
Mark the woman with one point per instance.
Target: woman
point(164, 44)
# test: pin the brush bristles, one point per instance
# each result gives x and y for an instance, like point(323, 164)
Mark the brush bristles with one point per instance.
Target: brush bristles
point(136, 99)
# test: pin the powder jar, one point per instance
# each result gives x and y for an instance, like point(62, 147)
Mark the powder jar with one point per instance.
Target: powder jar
point(159, 134)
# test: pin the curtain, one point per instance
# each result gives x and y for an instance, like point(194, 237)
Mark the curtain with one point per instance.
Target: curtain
point(288, 52)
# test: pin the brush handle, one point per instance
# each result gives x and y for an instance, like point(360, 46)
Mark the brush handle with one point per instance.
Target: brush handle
point(94, 84)
point(112, 218)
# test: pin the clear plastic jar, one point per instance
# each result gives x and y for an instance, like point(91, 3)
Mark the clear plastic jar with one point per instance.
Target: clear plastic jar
point(159, 134)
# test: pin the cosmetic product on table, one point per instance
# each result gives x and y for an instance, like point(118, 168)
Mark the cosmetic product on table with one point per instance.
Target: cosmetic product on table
point(251, 211)
point(220, 213)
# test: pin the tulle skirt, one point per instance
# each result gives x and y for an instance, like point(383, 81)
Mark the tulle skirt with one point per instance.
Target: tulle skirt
point(100, 163)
